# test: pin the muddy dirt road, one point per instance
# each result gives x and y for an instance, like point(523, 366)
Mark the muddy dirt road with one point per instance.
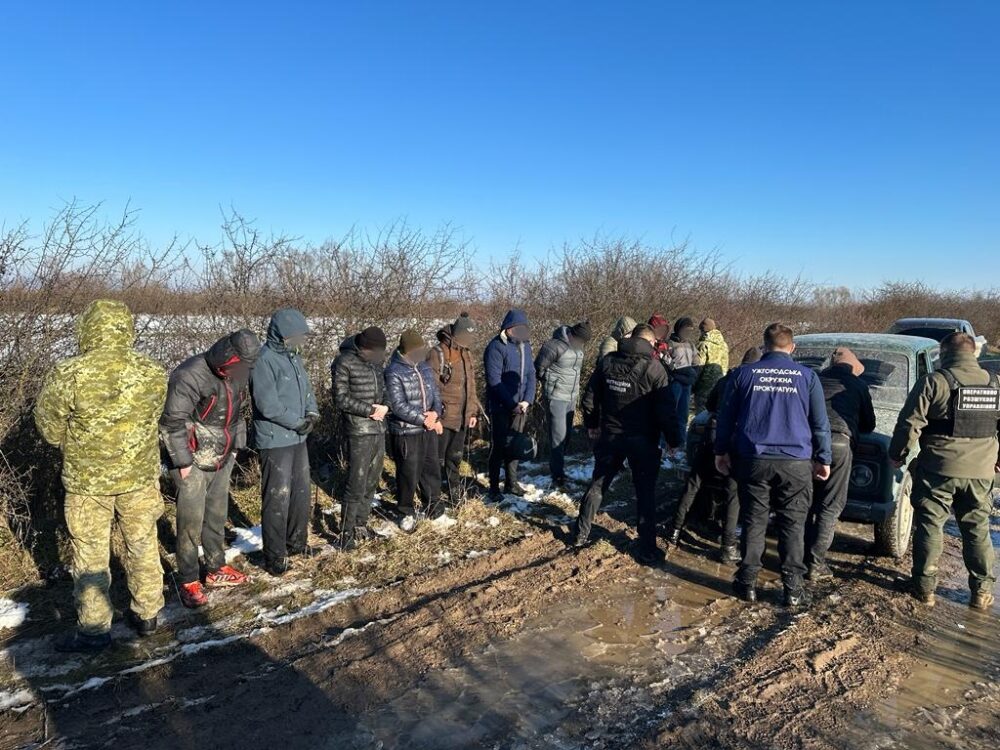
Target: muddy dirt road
point(532, 647)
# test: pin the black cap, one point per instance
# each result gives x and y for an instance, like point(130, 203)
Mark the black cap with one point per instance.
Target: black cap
point(463, 324)
point(372, 338)
point(581, 330)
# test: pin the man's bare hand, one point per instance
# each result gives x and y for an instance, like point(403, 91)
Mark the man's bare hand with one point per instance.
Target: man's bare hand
point(378, 412)
point(821, 472)
point(521, 408)
point(185, 472)
point(723, 464)
point(438, 428)
point(430, 419)
point(473, 421)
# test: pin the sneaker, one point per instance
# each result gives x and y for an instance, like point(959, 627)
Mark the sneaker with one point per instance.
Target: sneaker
point(797, 598)
point(278, 566)
point(745, 591)
point(224, 577)
point(408, 523)
point(982, 599)
point(495, 497)
point(653, 556)
point(673, 535)
point(82, 643)
point(514, 488)
point(193, 595)
point(559, 484)
point(819, 572)
point(730, 554)
point(144, 628)
point(578, 542)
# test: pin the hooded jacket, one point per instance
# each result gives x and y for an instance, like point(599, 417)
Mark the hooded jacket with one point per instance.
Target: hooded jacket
point(714, 354)
point(411, 390)
point(101, 407)
point(848, 402)
point(954, 457)
point(279, 385)
point(627, 396)
point(458, 395)
point(202, 421)
point(358, 385)
point(622, 329)
point(510, 370)
point(558, 365)
point(682, 361)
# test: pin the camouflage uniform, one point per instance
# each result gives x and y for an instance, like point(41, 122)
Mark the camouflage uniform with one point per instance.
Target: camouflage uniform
point(101, 408)
point(714, 353)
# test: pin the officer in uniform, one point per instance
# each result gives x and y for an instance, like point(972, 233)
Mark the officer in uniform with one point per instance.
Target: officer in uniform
point(954, 415)
point(626, 407)
point(773, 421)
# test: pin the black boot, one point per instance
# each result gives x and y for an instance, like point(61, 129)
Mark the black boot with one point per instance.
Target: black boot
point(144, 628)
point(277, 566)
point(673, 535)
point(745, 591)
point(82, 643)
point(730, 553)
point(797, 598)
point(513, 488)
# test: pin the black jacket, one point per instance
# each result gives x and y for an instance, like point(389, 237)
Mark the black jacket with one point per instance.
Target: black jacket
point(411, 390)
point(848, 402)
point(627, 395)
point(357, 386)
point(202, 422)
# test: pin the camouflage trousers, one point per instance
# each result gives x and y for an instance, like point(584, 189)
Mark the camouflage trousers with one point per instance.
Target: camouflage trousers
point(89, 518)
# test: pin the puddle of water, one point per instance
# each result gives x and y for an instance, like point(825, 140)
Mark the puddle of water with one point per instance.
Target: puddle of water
point(521, 692)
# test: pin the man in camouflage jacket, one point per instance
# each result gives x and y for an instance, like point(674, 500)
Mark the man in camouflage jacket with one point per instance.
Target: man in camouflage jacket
point(714, 353)
point(101, 409)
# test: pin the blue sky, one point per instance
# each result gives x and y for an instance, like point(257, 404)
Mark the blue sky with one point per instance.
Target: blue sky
point(854, 142)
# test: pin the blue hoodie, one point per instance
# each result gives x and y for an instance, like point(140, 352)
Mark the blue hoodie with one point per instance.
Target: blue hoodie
point(510, 367)
point(774, 408)
point(282, 395)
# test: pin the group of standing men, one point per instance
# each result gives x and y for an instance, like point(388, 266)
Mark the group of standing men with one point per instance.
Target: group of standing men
point(109, 409)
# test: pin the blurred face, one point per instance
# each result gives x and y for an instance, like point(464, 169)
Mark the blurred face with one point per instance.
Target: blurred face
point(295, 343)
point(375, 356)
point(518, 333)
point(463, 340)
point(649, 336)
point(416, 356)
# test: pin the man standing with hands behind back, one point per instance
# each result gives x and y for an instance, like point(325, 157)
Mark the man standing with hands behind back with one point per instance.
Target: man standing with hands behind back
point(773, 422)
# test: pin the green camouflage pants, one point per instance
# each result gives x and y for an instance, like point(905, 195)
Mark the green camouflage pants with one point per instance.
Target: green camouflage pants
point(934, 496)
point(89, 518)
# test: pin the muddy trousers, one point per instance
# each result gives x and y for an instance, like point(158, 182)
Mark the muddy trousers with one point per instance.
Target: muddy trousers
point(418, 468)
point(365, 458)
point(829, 499)
point(643, 458)
point(89, 519)
point(202, 508)
point(934, 496)
point(451, 447)
point(730, 507)
point(784, 485)
point(502, 422)
point(285, 502)
point(560, 418)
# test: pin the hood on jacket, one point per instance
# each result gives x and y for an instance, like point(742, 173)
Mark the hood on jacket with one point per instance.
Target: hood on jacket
point(634, 346)
point(715, 336)
point(623, 328)
point(350, 344)
point(238, 349)
point(561, 334)
point(285, 324)
point(514, 318)
point(105, 324)
point(959, 360)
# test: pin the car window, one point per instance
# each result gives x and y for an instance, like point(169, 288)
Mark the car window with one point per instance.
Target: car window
point(928, 332)
point(935, 357)
point(921, 364)
point(886, 373)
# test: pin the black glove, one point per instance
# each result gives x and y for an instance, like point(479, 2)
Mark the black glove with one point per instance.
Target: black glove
point(307, 424)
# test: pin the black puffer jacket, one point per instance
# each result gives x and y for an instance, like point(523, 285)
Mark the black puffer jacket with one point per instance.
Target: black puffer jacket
point(848, 402)
point(358, 385)
point(627, 395)
point(411, 390)
point(202, 422)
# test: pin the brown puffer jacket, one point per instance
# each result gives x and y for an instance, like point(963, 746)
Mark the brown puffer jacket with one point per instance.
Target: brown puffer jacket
point(459, 392)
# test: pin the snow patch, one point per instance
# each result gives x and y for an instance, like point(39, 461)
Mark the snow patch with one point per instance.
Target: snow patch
point(13, 699)
point(247, 540)
point(12, 614)
point(443, 522)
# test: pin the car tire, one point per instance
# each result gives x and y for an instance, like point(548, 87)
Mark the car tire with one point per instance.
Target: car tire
point(892, 536)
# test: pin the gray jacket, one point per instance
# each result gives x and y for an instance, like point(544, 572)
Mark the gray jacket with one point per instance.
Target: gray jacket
point(558, 366)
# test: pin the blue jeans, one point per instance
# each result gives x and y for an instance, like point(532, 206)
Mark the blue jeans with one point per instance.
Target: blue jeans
point(560, 427)
point(681, 395)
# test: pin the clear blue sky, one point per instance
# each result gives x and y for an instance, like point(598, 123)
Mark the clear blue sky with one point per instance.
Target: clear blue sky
point(852, 141)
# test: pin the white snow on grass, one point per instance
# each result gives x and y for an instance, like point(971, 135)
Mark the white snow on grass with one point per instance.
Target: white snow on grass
point(386, 529)
point(247, 540)
point(14, 699)
point(443, 523)
point(12, 614)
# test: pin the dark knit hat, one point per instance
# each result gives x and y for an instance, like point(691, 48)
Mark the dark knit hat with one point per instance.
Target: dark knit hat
point(411, 341)
point(372, 339)
point(750, 356)
point(581, 330)
point(463, 324)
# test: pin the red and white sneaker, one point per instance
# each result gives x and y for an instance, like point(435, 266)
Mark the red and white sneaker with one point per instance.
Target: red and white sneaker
point(225, 576)
point(193, 595)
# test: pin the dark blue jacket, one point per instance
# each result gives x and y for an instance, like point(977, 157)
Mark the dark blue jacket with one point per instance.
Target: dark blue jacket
point(774, 408)
point(279, 385)
point(410, 391)
point(510, 373)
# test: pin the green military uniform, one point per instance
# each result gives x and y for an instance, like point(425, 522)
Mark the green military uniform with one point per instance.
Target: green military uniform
point(953, 470)
point(102, 408)
point(714, 353)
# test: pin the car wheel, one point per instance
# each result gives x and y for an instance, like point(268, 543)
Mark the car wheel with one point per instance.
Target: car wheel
point(892, 536)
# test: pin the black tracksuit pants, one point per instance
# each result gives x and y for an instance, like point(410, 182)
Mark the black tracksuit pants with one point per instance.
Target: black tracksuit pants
point(703, 470)
point(829, 499)
point(786, 486)
point(610, 454)
point(202, 507)
point(365, 457)
point(285, 502)
point(418, 468)
point(502, 422)
point(451, 444)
